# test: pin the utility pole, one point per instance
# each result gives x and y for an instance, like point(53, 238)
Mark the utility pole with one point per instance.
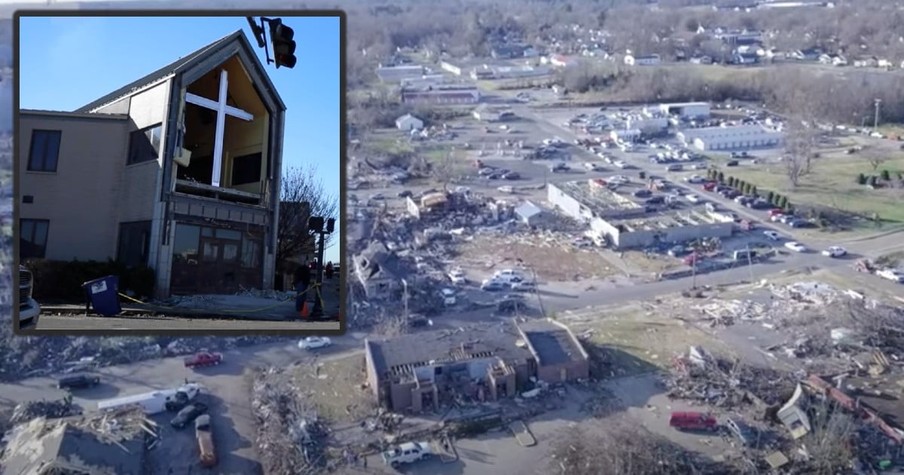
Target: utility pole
point(750, 263)
point(405, 298)
point(321, 227)
point(876, 119)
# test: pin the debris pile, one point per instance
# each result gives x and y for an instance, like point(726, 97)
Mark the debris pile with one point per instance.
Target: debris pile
point(267, 294)
point(22, 357)
point(27, 411)
point(700, 376)
point(279, 413)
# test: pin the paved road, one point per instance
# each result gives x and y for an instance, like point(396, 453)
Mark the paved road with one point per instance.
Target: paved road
point(68, 323)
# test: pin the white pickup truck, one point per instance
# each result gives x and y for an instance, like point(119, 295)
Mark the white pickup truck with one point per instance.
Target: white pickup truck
point(406, 453)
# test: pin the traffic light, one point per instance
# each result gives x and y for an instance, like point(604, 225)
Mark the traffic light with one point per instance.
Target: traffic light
point(315, 224)
point(330, 225)
point(283, 44)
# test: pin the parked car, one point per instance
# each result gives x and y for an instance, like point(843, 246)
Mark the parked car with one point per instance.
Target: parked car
point(406, 453)
point(492, 285)
point(695, 179)
point(314, 342)
point(731, 163)
point(457, 276)
point(796, 246)
point(524, 286)
point(188, 414)
point(204, 435)
point(678, 251)
point(835, 251)
point(79, 381)
point(203, 359)
point(655, 200)
point(741, 431)
point(508, 276)
point(511, 176)
point(695, 421)
point(559, 167)
point(693, 198)
point(593, 166)
point(405, 194)
point(643, 193)
point(893, 275)
point(29, 309)
point(772, 235)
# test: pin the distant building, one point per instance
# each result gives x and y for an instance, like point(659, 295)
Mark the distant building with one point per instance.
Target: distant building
point(409, 122)
point(731, 138)
point(395, 74)
point(442, 96)
point(687, 110)
point(425, 81)
point(512, 51)
point(642, 60)
point(379, 271)
point(427, 370)
point(528, 213)
point(451, 67)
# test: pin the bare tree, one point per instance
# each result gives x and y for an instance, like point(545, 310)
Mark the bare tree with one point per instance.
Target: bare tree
point(392, 326)
point(302, 195)
point(830, 442)
point(875, 160)
point(446, 169)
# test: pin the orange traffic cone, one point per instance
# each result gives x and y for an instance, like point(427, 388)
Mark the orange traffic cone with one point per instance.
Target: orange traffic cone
point(304, 310)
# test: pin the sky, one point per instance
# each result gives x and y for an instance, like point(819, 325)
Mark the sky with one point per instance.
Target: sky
point(66, 63)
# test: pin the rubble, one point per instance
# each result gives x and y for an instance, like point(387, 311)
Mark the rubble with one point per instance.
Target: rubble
point(27, 356)
point(700, 376)
point(27, 411)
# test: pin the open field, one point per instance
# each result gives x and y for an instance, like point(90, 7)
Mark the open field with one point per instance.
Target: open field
point(832, 184)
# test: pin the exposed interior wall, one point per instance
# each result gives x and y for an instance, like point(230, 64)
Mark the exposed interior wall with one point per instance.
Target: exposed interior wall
point(242, 139)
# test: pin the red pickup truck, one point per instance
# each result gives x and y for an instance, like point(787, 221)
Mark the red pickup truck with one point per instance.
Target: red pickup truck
point(203, 359)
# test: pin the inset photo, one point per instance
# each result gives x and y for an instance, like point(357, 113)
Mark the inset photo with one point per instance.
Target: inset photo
point(179, 173)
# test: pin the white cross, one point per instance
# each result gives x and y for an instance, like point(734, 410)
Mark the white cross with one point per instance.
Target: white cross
point(222, 110)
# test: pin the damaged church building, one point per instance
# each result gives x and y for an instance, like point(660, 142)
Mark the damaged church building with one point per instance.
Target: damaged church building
point(424, 371)
point(178, 171)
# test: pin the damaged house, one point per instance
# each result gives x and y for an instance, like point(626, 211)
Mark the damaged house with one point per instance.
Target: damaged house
point(379, 271)
point(178, 171)
point(422, 371)
point(50, 447)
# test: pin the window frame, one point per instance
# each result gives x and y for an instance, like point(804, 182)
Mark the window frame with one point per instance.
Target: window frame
point(41, 164)
point(32, 234)
point(134, 150)
point(146, 227)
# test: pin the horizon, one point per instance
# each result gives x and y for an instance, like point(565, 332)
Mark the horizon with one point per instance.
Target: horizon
point(81, 46)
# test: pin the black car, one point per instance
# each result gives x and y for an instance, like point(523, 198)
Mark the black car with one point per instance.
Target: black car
point(80, 381)
point(188, 414)
point(656, 200)
point(643, 193)
point(405, 194)
point(731, 163)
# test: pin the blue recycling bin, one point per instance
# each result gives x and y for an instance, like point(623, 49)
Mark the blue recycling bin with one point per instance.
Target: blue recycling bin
point(103, 295)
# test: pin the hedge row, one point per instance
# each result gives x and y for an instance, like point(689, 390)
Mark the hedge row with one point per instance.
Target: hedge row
point(61, 280)
point(775, 199)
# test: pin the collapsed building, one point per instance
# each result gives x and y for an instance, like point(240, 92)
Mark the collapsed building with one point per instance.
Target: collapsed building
point(380, 272)
point(423, 371)
point(98, 446)
point(627, 224)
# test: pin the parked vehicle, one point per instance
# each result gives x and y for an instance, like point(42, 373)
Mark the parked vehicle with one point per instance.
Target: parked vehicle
point(524, 286)
point(79, 381)
point(188, 414)
point(314, 342)
point(771, 235)
point(643, 193)
point(695, 179)
point(796, 246)
point(893, 275)
point(449, 297)
point(406, 453)
point(741, 431)
point(558, 167)
point(709, 186)
point(457, 276)
point(692, 198)
point(203, 359)
point(675, 167)
point(29, 310)
point(204, 435)
point(492, 285)
point(835, 251)
point(743, 255)
point(154, 402)
point(507, 276)
point(655, 200)
point(696, 421)
point(731, 163)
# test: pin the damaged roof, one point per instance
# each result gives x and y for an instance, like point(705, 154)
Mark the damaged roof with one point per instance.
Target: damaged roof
point(377, 260)
point(552, 344)
point(184, 63)
point(38, 448)
point(420, 349)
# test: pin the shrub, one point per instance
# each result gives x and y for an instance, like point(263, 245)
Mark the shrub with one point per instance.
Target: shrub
point(861, 179)
point(62, 280)
point(885, 175)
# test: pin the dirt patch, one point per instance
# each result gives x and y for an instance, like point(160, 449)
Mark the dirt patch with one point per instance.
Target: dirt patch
point(333, 389)
point(551, 259)
point(637, 339)
point(641, 262)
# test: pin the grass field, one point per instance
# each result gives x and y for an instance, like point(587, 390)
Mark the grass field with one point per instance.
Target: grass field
point(832, 184)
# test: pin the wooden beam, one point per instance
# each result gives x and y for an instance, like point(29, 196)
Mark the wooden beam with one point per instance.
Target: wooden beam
point(221, 126)
point(214, 105)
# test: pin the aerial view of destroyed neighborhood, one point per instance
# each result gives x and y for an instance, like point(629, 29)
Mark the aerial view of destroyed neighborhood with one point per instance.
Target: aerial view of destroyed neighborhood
point(211, 209)
point(639, 238)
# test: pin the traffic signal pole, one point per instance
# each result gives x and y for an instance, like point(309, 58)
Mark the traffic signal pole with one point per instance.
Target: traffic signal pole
point(281, 39)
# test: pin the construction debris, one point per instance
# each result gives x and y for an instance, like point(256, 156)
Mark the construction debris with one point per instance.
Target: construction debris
point(27, 411)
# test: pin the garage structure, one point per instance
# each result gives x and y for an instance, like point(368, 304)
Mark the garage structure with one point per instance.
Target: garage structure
point(687, 110)
point(731, 138)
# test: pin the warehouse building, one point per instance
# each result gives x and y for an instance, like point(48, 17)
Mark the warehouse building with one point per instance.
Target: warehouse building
point(687, 110)
point(737, 137)
point(626, 224)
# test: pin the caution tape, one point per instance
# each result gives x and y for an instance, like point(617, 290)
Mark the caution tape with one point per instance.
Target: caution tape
point(315, 286)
